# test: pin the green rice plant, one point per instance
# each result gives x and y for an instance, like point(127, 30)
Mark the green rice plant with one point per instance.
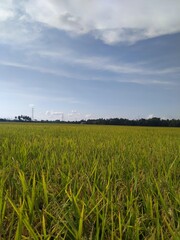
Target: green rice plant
point(3, 202)
point(89, 182)
point(31, 199)
point(23, 219)
point(45, 191)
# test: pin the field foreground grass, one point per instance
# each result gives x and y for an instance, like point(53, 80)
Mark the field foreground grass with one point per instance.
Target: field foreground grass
point(89, 182)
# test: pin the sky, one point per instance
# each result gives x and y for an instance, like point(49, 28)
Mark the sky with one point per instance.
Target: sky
point(81, 59)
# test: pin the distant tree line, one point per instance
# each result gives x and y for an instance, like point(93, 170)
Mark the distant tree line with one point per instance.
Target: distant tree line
point(23, 118)
point(139, 122)
point(156, 122)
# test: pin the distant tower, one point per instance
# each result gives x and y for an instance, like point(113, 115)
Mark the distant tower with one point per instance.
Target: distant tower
point(32, 113)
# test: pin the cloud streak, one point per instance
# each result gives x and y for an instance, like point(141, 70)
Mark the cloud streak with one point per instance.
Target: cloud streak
point(38, 69)
point(129, 69)
point(108, 64)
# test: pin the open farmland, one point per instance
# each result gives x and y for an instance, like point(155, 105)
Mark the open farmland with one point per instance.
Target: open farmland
point(89, 182)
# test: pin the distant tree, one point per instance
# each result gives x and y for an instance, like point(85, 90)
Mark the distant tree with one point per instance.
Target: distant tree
point(24, 118)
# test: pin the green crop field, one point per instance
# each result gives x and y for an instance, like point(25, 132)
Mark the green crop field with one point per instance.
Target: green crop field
point(89, 182)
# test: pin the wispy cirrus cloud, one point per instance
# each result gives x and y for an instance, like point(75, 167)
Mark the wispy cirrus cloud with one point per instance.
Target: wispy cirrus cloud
point(38, 69)
point(125, 69)
point(108, 64)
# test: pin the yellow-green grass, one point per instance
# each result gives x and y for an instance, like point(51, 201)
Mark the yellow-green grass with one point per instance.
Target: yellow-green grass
point(89, 182)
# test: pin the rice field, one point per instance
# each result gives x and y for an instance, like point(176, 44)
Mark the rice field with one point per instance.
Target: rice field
point(89, 182)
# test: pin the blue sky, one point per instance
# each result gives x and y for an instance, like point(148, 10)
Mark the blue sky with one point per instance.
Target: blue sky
point(90, 59)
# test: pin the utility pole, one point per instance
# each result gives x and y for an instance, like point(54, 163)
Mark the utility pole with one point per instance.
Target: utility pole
point(32, 113)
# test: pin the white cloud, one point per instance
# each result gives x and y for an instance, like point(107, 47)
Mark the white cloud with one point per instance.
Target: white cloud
point(150, 116)
point(57, 113)
point(16, 27)
point(88, 116)
point(5, 14)
point(112, 21)
point(31, 105)
point(48, 113)
point(74, 111)
point(74, 115)
point(54, 115)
